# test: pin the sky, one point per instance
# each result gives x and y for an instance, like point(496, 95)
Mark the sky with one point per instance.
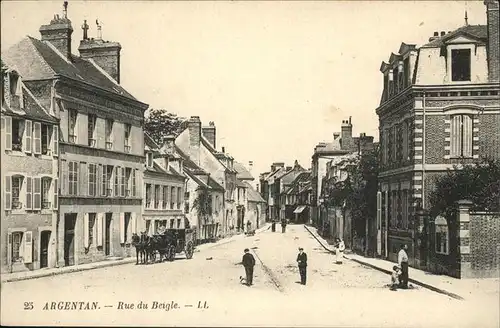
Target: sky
point(277, 78)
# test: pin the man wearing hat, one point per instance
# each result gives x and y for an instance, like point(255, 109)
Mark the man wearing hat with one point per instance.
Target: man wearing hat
point(302, 262)
point(248, 262)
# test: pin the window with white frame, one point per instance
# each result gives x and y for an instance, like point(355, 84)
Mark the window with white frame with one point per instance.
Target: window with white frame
point(134, 188)
point(460, 65)
point(92, 119)
point(17, 184)
point(165, 197)
point(109, 180)
point(385, 136)
point(442, 235)
point(116, 191)
point(17, 249)
point(128, 128)
point(461, 136)
point(128, 178)
point(406, 141)
point(72, 117)
point(46, 199)
point(156, 200)
point(172, 197)
point(92, 220)
point(73, 178)
point(46, 137)
point(92, 187)
point(149, 190)
point(123, 182)
point(17, 134)
point(109, 133)
point(179, 197)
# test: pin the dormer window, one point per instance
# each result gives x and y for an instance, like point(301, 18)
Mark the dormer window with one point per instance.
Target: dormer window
point(149, 159)
point(460, 64)
point(14, 81)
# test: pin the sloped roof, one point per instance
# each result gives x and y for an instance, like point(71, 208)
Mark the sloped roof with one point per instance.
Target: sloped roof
point(243, 173)
point(39, 60)
point(479, 32)
point(253, 195)
point(240, 183)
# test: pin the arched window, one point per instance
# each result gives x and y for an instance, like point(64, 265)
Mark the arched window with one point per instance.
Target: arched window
point(442, 235)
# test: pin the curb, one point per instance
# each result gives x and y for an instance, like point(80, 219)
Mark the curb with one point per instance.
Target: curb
point(103, 264)
point(416, 282)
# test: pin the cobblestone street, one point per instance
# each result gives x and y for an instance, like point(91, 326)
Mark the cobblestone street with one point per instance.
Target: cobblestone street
point(339, 295)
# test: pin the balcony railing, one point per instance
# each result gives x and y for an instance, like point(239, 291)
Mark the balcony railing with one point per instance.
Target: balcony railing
point(127, 149)
point(109, 145)
point(46, 205)
point(17, 146)
point(92, 142)
point(72, 138)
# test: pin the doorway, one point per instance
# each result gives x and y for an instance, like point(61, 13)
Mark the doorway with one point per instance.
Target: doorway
point(107, 234)
point(44, 248)
point(69, 238)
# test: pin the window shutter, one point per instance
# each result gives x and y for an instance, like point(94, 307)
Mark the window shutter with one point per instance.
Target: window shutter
point(29, 193)
point(133, 219)
point(64, 178)
point(37, 193)
point(8, 192)
point(37, 138)
point(467, 137)
point(86, 230)
point(122, 228)
point(55, 193)
point(9, 249)
point(99, 228)
point(55, 141)
point(28, 247)
point(28, 130)
point(379, 209)
point(8, 133)
point(455, 136)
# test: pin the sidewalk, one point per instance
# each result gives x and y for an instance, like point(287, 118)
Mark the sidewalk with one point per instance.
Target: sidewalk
point(456, 288)
point(26, 275)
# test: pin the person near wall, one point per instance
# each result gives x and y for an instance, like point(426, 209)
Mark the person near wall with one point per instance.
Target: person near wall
point(339, 250)
point(302, 263)
point(283, 226)
point(273, 226)
point(249, 226)
point(403, 264)
point(248, 262)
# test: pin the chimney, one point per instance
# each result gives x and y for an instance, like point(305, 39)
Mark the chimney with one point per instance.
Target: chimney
point(194, 126)
point(436, 36)
point(365, 143)
point(250, 166)
point(493, 43)
point(223, 150)
point(346, 135)
point(58, 32)
point(209, 133)
point(443, 33)
point(105, 54)
point(169, 145)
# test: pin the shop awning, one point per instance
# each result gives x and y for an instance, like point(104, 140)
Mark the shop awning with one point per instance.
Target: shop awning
point(299, 209)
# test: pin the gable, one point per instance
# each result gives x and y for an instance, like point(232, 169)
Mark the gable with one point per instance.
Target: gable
point(462, 39)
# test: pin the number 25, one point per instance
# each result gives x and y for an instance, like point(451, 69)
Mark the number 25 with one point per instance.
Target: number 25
point(28, 305)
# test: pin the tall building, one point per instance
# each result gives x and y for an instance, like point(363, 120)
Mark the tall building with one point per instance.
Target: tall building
point(439, 108)
point(99, 136)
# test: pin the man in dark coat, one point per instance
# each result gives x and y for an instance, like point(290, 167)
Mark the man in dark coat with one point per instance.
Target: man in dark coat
point(248, 262)
point(302, 262)
point(273, 226)
point(283, 226)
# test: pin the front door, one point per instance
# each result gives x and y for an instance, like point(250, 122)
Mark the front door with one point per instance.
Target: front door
point(44, 249)
point(69, 238)
point(107, 234)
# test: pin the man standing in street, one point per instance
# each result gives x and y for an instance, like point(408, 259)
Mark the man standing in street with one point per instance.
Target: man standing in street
point(302, 262)
point(248, 262)
point(403, 264)
point(283, 225)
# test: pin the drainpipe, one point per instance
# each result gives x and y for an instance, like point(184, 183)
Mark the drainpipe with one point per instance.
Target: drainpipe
point(423, 152)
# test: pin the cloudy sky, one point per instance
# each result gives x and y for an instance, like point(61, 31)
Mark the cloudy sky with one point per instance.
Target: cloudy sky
point(276, 77)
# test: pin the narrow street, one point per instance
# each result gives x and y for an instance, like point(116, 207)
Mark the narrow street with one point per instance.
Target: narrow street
point(335, 295)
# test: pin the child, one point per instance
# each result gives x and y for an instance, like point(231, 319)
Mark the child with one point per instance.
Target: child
point(396, 272)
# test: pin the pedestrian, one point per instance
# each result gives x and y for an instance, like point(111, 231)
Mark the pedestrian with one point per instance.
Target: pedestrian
point(395, 277)
point(248, 262)
point(283, 226)
point(302, 262)
point(403, 264)
point(249, 224)
point(339, 250)
point(273, 226)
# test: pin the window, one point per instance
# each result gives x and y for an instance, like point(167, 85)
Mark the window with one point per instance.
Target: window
point(404, 208)
point(172, 197)
point(17, 134)
point(45, 193)
point(73, 178)
point(125, 227)
point(92, 217)
point(92, 180)
point(128, 178)
point(72, 115)
point(179, 197)
point(461, 136)
point(92, 119)
point(149, 158)
point(117, 181)
point(460, 65)
point(178, 223)
point(165, 197)
point(128, 128)
point(385, 144)
point(17, 183)
point(134, 188)
point(109, 180)
point(171, 223)
point(17, 238)
point(186, 202)
point(442, 235)
point(122, 182)
point(148, 195)
point(109, 134)
point(394, 150)
point(46, 138)
point(157, 196)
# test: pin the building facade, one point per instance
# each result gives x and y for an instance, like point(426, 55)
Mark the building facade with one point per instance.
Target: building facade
point(100, 139)
point(29, 151)
point(439, 108)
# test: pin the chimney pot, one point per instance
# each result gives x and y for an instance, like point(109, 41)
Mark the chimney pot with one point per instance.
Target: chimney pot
point(436, 33)
point(443, 33)
point(105, 54)
point(223, 149)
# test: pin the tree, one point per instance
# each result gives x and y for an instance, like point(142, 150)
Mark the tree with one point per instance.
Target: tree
point(203, 206)
point(160, 123)
point(479, 183)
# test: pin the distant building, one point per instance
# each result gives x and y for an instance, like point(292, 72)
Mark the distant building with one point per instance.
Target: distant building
point(439, 108)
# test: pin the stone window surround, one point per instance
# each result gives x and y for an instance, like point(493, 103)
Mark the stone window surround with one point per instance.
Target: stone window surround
point(465, 109)
point(472, 47)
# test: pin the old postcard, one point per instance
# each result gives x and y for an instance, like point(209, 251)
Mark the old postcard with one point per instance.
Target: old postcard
point(250, 163)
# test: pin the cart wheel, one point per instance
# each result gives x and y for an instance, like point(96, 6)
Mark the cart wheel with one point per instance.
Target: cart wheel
point(171, 253)
point(189, 250)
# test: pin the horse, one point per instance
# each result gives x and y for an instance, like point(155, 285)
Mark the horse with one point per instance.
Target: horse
point(140, 243)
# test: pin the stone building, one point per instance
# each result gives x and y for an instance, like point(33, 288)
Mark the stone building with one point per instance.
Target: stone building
point(439, 108)
point(252, 202)
point(29, 154)
point(101, 147)
point(285, 182)
point(297, 198)
point(164, 189)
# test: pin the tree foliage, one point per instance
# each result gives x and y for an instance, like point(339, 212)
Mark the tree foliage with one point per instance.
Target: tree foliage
point(203, 206)
point(160, 123)
point(479, 183)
